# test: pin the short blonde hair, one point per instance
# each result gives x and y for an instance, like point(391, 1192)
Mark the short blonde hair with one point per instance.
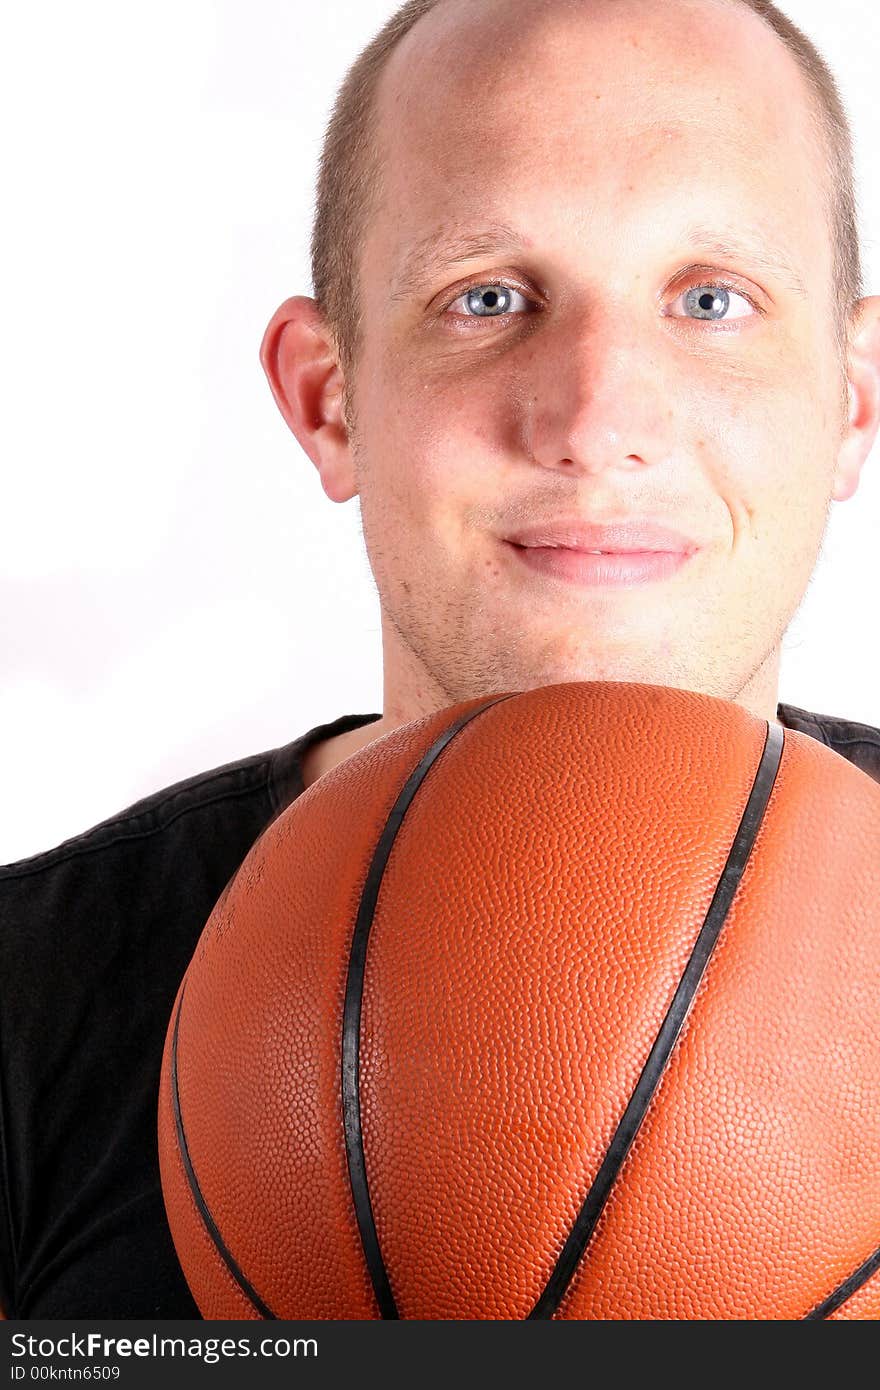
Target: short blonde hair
point(350, 167)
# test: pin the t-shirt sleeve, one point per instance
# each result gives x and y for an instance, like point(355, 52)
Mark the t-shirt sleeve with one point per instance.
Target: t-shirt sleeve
point(95, 938)
point(87, 983)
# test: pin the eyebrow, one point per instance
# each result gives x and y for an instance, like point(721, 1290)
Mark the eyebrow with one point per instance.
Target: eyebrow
point(758, 253)
point(445, 247)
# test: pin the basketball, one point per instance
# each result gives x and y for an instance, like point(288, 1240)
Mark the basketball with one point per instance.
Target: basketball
point(561, 1003)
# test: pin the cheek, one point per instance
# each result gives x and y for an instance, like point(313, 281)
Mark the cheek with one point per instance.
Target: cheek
point(441, 440)
point(766, 448)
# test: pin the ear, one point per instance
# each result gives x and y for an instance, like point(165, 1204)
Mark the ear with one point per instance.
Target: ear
point(299, 358)
point(863, 372)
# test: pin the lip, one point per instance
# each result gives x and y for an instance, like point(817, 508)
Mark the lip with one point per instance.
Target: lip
point(615, 569)
point(629, 536)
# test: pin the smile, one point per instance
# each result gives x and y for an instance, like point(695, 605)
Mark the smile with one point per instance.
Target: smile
point(600, 568)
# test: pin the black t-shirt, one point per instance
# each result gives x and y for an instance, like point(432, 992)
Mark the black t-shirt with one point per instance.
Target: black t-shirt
point(95, 936)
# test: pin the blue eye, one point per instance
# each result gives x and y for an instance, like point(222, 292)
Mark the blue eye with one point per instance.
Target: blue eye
point(712, 301)
point(488, 301)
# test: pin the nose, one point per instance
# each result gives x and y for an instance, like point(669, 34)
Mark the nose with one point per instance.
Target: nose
point(594, 397)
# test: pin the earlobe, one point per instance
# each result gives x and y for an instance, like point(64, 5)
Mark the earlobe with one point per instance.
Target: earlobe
point(299, 358)
point(863, 396)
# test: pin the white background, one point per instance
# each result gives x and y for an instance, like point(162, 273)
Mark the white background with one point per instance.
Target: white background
point(176, 590)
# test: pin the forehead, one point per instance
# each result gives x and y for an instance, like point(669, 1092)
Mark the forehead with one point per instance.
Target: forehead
point(581, 118)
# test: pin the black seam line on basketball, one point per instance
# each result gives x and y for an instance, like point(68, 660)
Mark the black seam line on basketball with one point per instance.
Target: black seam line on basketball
point(210, 1224)
point(351, 1017)
point(670, 1028)
point(845, 1290)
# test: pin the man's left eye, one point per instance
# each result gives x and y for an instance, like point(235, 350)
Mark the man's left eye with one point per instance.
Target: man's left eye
point(489, 301)
point(712, 302)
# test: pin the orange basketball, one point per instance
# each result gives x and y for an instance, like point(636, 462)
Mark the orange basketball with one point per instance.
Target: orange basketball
point(557, 1003)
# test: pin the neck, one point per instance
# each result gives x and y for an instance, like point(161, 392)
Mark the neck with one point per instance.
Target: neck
point(759, 696)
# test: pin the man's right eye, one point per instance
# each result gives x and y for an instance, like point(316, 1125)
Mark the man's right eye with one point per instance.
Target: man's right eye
point(490, 299)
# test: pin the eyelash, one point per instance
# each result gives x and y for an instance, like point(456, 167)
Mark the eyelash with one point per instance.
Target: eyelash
point(715, 280)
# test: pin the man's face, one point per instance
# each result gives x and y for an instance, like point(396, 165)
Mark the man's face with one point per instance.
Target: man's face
point(614, 386)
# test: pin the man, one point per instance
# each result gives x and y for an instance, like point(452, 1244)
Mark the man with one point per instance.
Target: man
point(586, 278)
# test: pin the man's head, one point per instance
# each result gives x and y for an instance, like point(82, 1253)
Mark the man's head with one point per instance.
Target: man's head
point(350, 178)
point(639, 153)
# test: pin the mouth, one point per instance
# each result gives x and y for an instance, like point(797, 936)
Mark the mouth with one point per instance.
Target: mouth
point(609, 568)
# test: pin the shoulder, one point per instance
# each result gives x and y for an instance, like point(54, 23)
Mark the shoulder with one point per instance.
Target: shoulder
point(149, 818)
point(133, 892)
point(95, 936)
point(854, 740)
point(163, 858)
point(122, 905)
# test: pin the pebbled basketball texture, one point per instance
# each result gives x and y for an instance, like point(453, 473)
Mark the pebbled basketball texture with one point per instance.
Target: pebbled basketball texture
point(453, 960)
